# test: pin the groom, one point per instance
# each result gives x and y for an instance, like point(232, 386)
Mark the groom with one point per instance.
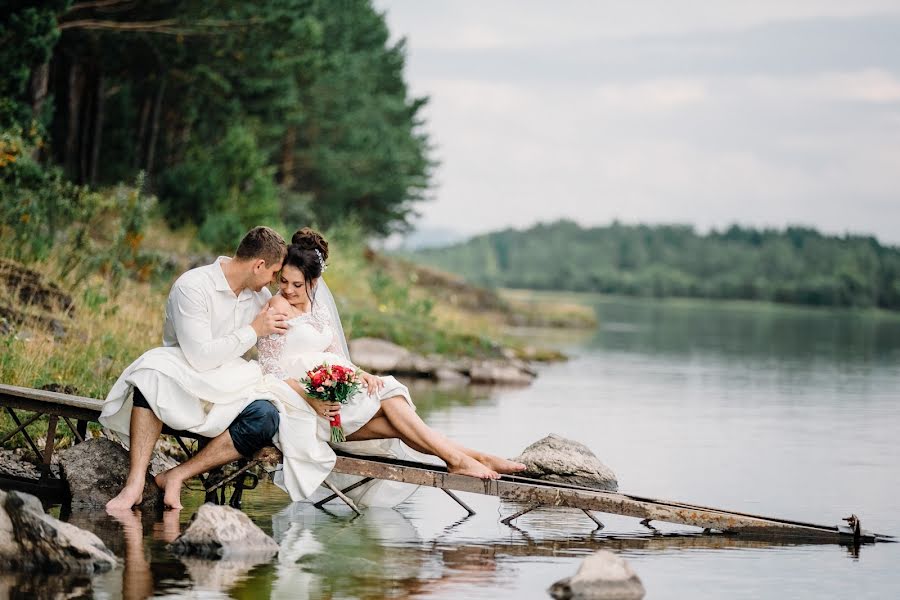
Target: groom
point(214, 314)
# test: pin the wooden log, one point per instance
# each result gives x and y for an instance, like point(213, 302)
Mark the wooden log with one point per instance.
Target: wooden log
point(609, 502)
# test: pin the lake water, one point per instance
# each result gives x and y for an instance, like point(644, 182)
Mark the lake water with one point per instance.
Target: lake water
point(778, 411)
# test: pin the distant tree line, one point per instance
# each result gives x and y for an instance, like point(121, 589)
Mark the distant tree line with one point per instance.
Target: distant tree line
point(239, 112)
point(797, 265)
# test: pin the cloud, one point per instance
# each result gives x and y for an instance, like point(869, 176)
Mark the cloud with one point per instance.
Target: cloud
point(766, 113)
point(873, 85)
point(522, 24)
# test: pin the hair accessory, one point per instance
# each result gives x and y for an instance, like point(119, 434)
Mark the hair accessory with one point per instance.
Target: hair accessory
point(321, 260)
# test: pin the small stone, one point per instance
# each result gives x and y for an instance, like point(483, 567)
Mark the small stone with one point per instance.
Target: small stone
point(57, 329)
point(499, 372)
point(445, 375)
point(555, 458)
point(223, 532)
point(24, 335)
point(601, 576)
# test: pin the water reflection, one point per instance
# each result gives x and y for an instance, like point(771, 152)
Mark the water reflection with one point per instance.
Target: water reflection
point(327, 555)
point(381, 553)
point(431, 397)
point(745, 330)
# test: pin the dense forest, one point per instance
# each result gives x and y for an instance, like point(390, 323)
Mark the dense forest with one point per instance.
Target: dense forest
point(235, 113)
point(797, 265)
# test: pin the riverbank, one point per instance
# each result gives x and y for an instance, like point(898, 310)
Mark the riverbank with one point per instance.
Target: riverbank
point(78, 334)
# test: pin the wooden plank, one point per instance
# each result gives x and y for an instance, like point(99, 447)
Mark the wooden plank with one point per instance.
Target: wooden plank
point(608, 502)
point(64, 405)
point(56, 398)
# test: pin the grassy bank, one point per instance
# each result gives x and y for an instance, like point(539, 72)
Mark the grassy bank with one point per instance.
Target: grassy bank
point(77, 333)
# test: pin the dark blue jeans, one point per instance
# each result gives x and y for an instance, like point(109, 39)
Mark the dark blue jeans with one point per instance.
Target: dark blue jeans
point(251, 431)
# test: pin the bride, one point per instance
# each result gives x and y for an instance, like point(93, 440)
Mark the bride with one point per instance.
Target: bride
point(382, 409)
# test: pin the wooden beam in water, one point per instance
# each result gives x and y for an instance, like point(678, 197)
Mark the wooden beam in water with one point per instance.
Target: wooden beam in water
point(549, 495)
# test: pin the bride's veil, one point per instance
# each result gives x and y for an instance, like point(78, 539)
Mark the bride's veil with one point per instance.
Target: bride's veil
point(323, 295)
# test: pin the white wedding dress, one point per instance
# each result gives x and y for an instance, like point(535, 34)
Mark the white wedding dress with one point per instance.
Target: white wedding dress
point(311, 340)
point(206, 402)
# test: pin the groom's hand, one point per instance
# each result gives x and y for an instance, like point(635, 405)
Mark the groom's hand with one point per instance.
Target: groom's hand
point(269, 321)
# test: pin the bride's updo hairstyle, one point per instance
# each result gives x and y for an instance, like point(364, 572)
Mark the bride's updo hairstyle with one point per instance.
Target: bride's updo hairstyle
point(307, 253)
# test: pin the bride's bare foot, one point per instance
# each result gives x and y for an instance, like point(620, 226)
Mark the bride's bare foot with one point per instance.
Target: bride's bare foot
point(130, 496)
point(471, 467)
point(171, 487)
point(501, 465)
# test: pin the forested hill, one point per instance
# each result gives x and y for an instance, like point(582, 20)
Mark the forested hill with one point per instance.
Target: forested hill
point(239, 113)
point(797, 265)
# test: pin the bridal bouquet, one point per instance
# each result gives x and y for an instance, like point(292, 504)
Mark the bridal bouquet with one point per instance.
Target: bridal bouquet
point(332, 383)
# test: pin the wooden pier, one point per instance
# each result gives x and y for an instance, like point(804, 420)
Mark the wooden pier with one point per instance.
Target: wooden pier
point(531, 493)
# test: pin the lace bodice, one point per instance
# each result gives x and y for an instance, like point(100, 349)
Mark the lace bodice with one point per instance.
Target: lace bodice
point(310, 340)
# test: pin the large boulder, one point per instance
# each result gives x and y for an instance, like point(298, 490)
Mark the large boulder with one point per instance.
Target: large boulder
point(223, 532)
point(379, 356)
point(31, 540)
point(601, 576)
point(556, 458)
point(96, 470)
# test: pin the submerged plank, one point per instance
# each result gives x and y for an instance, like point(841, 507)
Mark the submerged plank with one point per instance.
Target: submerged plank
point(549, 495)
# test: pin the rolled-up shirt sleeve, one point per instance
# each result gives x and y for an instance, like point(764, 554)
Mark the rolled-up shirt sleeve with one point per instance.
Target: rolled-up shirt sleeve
point(193, 327)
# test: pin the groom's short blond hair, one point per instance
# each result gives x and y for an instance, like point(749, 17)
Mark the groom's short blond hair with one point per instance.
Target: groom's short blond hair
point(262, 242)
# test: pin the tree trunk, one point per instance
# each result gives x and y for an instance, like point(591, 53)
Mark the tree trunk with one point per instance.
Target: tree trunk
point(37, 88)
point(154, 128)
point(76, 94)
point(37, 91)
point(142, 134)
point(84, 146)
point(288, 147)
point(99, 114)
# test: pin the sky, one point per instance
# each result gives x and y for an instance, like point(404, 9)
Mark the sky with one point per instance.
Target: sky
point(766, 113)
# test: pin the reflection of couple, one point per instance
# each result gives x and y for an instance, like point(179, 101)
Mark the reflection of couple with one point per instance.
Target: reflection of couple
point(199, 383)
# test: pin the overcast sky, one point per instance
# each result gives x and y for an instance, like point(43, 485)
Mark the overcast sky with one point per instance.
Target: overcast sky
point(764, 113)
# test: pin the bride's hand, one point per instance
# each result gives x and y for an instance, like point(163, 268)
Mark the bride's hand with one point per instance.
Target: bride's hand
point(326, 409)
point(373, 383)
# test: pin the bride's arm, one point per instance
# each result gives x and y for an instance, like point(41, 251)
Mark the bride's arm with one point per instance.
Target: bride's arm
point(372, 382)
point(271, 348)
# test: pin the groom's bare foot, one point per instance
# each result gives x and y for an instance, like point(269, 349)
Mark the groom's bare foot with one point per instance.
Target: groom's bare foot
point(471, 467)
point(170, 527)
point(171, 487)
point(131, 495)
point(501, 465)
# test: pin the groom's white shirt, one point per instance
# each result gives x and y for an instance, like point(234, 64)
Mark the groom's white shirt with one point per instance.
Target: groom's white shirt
point(207, 320)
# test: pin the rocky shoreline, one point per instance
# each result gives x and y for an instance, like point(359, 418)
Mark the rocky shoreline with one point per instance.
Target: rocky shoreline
point(386, 358)
point(221, 544)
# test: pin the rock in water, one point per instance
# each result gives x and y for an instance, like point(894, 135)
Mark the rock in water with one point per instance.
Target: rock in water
point(31, 540)
point(96, 470)
point(602, 576)
point(223, 532)
point(556, 458)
